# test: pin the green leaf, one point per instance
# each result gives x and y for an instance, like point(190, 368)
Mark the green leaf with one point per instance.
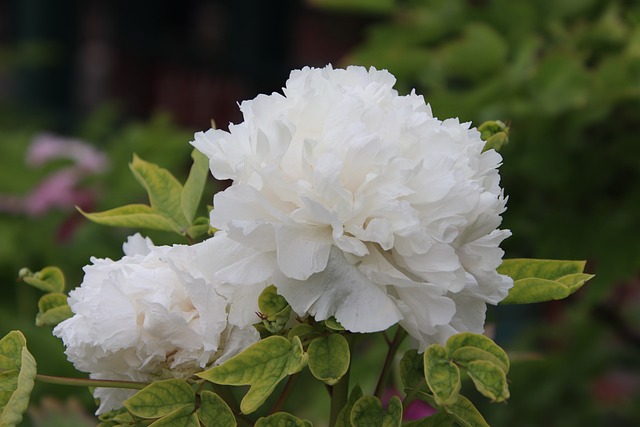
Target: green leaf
point(537, 280)
point(54, 316)
point(262, 366)
point(214, 411)
point(441, 419)
point(523, 268)
point(53, 309)
point(181, 417)
point(465, 413)
point(282, 419)
point(132, 216)
point(412, 369)
point(368, 412)
point(17, 375)
point(164, 190)
point(49, 279)
point(458, 350)
point(333, 324)
point(301, 330)
point(393, 417)
point(489, 379)
point(194, 186)
point(344, 417)
point(161, 398)
point(52, 300)
point(443, 377)
point(329, 358)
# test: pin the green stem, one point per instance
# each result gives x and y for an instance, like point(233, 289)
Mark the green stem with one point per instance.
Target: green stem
point(86, 382)
point(400, 335)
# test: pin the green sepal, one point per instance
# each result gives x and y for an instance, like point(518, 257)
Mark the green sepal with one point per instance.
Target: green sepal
point(489, 379)
point(194, 186)
point(49, 279)
point(200, 227)
point(17, 376)
point(282, 419)
point(261, 366)
point(495, 134)
point(214, 411)
point(275, 309)
point(181, 417)
point(270, 303)
point(537, 280)
point(466, 347)
point(161, 398)
point(329, 357)
point(368, 412)
point(53, 309)
point(344, 417)
point(443, 376)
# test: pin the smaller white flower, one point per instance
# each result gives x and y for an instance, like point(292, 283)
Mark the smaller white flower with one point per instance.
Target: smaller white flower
point(150, 315)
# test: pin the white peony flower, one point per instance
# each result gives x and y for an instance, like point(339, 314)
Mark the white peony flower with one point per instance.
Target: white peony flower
point(357, 203)
point(150, 315)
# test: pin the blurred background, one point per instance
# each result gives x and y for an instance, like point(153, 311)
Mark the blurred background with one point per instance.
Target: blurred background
point(85, 84)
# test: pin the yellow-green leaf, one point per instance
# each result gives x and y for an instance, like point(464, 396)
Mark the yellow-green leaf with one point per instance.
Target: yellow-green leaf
point(368, 412)
point(537, 280)
point(17, 378)
point(468, 339)
point(194, 186)
point(282, 419)
point(262, 366)
point(443, 376)
point(440, 419)
point(214, 411)
point(132, 216)
point(466, 414)
point(181, 417)
point(164, 190)
point(329, 358)
point(489, 379)
point(49, 279)
point(412, 369)
point(54, 316)
point(344, 417)
point(160, 398)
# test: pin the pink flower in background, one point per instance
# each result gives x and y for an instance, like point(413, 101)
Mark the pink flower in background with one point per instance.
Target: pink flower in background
point(416, 410)
point(62, 189)
point(46, 147)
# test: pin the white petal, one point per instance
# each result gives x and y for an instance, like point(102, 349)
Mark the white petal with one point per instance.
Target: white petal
point(302, 251)
point(341, 290)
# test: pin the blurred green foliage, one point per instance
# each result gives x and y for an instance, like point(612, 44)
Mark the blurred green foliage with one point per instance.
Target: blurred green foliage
point(565, 76)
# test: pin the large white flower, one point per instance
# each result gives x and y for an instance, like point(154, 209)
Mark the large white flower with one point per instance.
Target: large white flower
point(357, 203)
point(148, 316)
